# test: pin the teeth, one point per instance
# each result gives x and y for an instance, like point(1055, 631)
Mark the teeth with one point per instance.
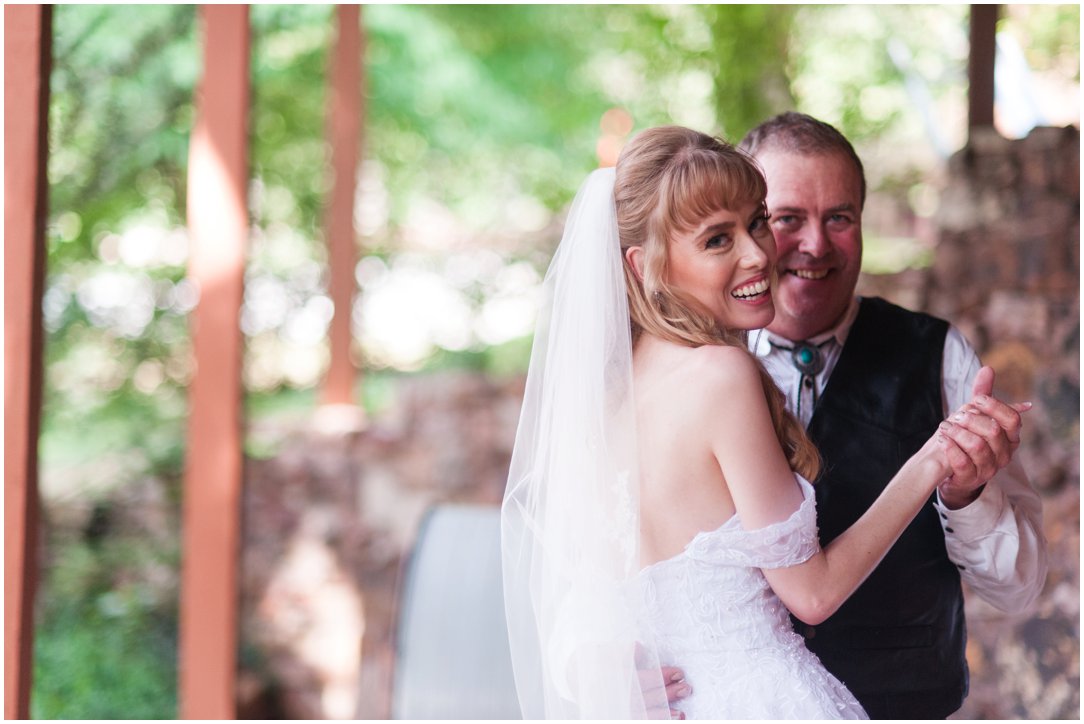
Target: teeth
point(809, 273)
point(752, 290)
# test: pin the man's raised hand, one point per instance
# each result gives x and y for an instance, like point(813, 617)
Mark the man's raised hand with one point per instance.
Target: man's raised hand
point(987, 433)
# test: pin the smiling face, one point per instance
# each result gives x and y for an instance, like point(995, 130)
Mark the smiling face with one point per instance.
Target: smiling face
point(726, 265)
point(815, 204)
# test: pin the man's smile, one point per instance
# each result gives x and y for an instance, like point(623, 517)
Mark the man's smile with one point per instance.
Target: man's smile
point(808, 273)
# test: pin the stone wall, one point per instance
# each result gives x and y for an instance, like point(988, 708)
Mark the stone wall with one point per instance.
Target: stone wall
point(1007, 271)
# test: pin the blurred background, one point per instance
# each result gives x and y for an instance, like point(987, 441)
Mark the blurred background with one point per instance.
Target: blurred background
point(480, 122)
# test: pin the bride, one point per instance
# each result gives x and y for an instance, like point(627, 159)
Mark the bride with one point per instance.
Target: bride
point(676, 524)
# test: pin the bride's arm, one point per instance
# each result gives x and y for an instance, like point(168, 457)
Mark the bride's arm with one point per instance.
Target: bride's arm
point(765, 492)
point(815, 589)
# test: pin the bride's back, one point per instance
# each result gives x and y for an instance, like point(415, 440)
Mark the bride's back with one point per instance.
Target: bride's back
point(683, 490)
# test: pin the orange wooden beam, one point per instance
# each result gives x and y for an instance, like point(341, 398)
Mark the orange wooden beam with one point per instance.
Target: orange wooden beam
point(27, 61)
point(218, 228)
point(344, 138)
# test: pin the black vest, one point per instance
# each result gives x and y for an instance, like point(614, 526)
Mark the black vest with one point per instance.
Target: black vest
point(898, 642)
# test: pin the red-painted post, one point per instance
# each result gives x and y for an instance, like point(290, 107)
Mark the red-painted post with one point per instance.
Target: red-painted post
point(218, 228)
point(27, 61)
point(344, 138)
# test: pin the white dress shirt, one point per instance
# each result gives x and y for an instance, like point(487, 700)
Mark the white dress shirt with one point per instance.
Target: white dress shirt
point(997, 540)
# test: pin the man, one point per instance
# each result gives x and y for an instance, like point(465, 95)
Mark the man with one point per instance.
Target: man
point(872, 381)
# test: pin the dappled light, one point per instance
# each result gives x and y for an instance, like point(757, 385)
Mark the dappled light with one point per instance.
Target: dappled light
point(118, 301)
point(419, 304)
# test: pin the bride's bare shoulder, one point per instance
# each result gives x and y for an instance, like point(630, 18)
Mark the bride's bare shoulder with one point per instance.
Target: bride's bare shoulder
point(713, 370)
point(723, 363)
point(725, 388)
point(700, 371)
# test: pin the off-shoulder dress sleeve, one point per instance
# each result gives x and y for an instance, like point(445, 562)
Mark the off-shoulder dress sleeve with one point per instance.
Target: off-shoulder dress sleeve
point(779, 545)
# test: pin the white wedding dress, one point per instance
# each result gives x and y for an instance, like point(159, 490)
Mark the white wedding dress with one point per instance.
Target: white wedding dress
point(713, 614)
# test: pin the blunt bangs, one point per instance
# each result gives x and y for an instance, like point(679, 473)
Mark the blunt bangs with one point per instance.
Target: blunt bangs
point(702, 182)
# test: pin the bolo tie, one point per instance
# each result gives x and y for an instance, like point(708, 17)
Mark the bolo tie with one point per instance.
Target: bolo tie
point(808, 359)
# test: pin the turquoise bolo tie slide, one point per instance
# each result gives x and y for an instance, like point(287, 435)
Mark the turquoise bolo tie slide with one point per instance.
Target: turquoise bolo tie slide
point(807, 358)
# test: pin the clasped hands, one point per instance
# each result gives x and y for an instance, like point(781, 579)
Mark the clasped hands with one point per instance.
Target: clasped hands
point(986, 432)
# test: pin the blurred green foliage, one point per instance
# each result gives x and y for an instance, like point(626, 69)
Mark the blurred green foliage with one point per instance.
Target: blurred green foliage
point(474, 108)
point(106, 644)
point(119, 118)
point(1052, 35)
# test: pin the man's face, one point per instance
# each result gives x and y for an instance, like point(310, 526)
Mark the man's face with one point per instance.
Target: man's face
point(815, 204)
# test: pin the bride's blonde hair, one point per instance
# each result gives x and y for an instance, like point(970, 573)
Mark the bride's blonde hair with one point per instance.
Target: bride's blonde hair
point(667, 180)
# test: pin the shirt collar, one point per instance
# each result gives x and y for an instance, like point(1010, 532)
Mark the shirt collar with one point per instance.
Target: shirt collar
point(763, 339)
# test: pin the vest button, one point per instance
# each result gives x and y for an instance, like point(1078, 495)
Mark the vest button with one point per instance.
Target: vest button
point(949, 530)
point(962, 568)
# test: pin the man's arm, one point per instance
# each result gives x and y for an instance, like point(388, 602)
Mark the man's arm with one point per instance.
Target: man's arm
point(996, 540)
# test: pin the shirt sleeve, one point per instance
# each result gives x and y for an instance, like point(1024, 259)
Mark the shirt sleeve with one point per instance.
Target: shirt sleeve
point(997, 541)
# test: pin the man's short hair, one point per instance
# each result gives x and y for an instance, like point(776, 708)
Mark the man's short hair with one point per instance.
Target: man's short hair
point(801, 134)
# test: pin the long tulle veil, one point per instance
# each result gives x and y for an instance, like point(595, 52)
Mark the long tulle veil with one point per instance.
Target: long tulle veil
point(570, 519)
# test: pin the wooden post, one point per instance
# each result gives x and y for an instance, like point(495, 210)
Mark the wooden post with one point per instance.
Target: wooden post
point(980, 66)
point(218, 228)
point(27, 62)
point(344, 131)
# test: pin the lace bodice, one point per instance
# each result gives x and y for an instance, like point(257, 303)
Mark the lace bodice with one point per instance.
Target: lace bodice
point(714, 615)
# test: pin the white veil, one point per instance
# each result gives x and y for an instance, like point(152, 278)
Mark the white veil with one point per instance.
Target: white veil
point(570, 520)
